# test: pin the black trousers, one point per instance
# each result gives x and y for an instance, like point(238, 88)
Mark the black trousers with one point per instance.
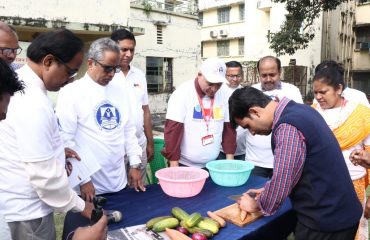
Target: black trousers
point(305, 233)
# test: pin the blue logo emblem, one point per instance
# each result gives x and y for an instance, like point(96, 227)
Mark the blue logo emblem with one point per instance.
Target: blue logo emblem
point(107, 116)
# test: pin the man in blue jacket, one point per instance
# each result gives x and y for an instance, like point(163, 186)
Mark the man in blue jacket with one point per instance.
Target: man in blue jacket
point(308, 166)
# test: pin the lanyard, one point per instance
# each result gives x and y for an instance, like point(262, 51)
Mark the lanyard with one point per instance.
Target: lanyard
point(207, 117)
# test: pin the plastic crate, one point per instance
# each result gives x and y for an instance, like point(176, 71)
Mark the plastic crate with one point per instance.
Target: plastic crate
point(158, 161)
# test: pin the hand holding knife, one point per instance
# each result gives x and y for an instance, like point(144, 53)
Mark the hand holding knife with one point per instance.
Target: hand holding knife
point(243, 213)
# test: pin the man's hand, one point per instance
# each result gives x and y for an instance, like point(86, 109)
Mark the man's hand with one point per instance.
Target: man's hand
point(367, 208)
point(150, 150)
point(71, 154)
point(134, 179)
point(249, 204)
point(98, 231)
point(174, 163)
point(87, 191)
point(360, 157)
point(87, 210)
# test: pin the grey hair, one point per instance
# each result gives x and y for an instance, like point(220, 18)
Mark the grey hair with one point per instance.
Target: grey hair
point(101, 45)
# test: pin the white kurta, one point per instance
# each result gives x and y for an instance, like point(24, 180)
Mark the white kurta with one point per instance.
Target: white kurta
point(30, 143)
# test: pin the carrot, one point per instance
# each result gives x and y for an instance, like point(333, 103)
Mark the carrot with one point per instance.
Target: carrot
point(243, 214)
point(176, 235)
point(217, 218)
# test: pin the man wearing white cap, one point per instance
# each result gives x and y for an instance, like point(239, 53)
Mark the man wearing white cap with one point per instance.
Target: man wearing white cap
point(197, 120)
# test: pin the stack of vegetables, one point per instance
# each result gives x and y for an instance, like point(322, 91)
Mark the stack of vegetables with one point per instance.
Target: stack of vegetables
point(200, 228)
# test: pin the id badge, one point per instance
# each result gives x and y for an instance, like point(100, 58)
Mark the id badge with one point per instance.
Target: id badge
point(207, 139)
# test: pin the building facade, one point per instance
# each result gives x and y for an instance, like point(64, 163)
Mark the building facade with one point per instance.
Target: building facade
point(167, 33)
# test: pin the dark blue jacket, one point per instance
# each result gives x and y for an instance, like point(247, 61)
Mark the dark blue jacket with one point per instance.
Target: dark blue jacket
point(324, 197)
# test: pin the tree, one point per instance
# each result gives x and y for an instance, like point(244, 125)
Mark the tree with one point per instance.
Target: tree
point(298, 29)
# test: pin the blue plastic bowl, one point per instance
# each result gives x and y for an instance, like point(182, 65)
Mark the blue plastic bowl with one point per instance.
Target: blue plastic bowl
point(229, 173)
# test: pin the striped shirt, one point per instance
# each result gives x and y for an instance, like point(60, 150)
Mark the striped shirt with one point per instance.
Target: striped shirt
point(289, 157)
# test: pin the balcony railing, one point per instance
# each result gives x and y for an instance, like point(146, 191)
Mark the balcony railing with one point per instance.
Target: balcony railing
point(176, 6)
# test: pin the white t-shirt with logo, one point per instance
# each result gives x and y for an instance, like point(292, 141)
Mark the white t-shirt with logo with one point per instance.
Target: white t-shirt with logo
point(136, 80)
point(184, 107)
point(258, 147)
point(28, 134)
point(240, 132)
point(96, 121)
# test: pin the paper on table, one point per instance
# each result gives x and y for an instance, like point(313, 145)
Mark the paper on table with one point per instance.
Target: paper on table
point(80, 170)
point(139, 232)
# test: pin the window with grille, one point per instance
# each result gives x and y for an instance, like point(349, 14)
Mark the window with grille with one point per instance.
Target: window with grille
point(159, 34)
point(159, 74)
point(200, 18)
point(241, 46)
point(241, 12)
point(223, 48)
point(223, 15)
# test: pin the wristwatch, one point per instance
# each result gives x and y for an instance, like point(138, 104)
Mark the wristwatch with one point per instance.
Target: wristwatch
point(137, 166)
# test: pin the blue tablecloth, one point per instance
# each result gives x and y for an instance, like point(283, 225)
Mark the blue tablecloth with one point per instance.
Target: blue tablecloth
point(138, 207)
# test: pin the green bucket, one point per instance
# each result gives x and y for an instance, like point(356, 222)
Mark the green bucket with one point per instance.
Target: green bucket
point(158, 161)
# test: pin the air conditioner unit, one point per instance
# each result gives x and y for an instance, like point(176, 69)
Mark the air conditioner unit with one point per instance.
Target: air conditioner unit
point(213, 34)
point(223, 33)
point(364, 45)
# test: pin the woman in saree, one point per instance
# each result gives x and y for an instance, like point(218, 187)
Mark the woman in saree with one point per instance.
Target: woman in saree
point(350, 123)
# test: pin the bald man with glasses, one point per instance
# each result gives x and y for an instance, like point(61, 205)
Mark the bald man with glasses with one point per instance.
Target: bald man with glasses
point(9, 46)
point(258, 148)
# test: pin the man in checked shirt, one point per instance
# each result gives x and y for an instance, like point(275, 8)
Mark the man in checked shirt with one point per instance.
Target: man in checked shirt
point(308, 166)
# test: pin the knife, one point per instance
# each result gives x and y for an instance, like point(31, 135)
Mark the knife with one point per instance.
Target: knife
point(237, 197)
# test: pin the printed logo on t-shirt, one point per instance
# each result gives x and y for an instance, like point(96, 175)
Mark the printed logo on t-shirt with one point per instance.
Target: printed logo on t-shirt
point(217, 113)
point(107, 116)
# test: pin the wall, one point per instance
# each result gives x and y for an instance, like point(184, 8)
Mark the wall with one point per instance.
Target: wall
point(181, 41)
point(207, 4)
point(81, 11)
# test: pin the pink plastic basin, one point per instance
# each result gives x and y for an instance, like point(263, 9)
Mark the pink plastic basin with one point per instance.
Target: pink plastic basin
point(182, 182)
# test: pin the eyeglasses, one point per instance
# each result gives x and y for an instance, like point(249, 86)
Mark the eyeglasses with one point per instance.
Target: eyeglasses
point(108, 68)
point(234, 76)
point(71, 72)
point(8, 51)
point(271, 75)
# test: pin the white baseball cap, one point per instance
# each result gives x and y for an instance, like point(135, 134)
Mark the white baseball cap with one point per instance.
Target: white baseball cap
point(214, 70)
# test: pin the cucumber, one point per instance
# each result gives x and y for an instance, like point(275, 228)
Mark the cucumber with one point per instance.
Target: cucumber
point(149, 224)
point(179, 213)
point(208, 225)
point(193, 219)
point(211, 221)
point(196, 229)
point(165, 223)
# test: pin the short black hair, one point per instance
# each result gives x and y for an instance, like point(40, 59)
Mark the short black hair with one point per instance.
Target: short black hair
point(9, 82)
point(234, 64)
point(61, 43)
point(277, 61)
point(330, 76)
point(122, 34)
point(242, 100)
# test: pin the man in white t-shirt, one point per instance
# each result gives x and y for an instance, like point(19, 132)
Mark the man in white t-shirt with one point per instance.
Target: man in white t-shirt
point(234, 75)
point(9, 85)
point(32, 156)
point(94, 114)
point(258, 147)
point(136, 80)
point(197, 120)
point(348, 93)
